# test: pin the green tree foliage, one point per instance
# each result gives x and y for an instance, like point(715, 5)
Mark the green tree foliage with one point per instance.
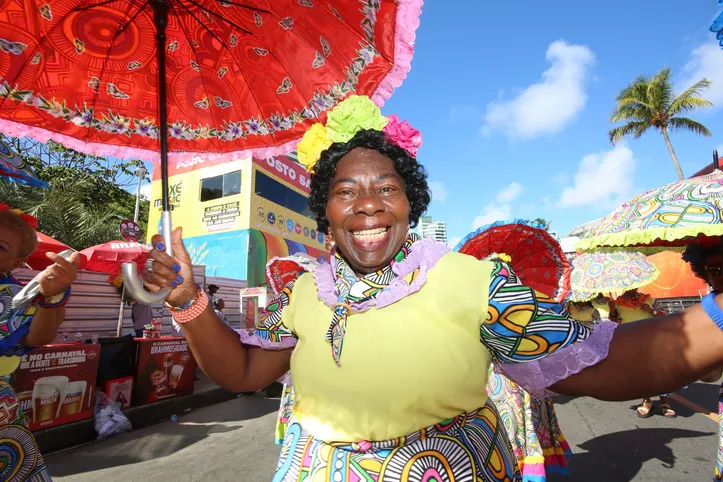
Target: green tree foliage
point(650, 102)
point(86, 200)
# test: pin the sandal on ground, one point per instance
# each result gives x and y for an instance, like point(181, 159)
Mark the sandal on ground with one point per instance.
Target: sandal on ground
point(667, 411)
point(645, 410)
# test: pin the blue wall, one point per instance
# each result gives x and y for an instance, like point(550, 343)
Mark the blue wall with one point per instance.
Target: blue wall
point(224, 254)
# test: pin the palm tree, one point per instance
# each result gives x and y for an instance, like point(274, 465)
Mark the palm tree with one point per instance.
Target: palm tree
point(651, 102)
point(61, 213)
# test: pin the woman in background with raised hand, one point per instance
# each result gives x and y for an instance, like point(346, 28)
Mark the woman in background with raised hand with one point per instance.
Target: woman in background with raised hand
point(22, 329)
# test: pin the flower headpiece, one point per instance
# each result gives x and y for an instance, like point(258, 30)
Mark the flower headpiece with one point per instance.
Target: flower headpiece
point(354, 114)
point(27, 218)
point(499, 256)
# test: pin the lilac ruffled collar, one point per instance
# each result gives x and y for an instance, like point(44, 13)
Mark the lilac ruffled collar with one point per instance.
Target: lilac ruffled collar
point(424, 255)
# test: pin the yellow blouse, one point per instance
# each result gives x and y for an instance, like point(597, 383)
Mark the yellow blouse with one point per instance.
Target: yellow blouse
point(392, 357)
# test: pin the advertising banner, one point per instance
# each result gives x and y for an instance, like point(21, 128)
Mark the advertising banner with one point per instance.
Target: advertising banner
point(284, 223)
point(166, 369)
point(55, 384)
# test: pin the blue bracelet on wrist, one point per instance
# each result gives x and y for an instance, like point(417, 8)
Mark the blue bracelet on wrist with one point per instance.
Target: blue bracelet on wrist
point(63, 301)
point(712, 309)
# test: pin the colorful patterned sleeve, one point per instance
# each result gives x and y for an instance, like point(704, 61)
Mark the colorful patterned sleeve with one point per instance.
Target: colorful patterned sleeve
point(270, 333)
point(532, 338)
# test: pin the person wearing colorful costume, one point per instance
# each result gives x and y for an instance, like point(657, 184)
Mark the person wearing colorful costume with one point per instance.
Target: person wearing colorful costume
point(389, 344)
point(707, 264)
point(634, 306)
point(21, 329)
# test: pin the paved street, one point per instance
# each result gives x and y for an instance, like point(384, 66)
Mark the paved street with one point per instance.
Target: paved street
point(233, 442)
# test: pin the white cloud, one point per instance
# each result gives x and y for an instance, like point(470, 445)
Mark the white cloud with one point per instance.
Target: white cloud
point(509, 193)
point(547, 106)
point(603, 180)
point(439, 191)
point(501, 209)
point(706, 62)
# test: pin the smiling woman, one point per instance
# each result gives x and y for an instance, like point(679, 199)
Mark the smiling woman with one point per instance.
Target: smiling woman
point(389, 344)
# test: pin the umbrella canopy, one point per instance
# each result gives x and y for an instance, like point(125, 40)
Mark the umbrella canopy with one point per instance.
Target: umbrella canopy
point(14, 168)
point(717, 26)
point(610, 274)
point(281, 271)
point(241, 77)
point(37, 259)
point(108, 257)
point(536, 257)
point(675, 215)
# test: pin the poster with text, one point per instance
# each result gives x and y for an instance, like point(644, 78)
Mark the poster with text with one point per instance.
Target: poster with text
point(166, 368)
point(56, 384)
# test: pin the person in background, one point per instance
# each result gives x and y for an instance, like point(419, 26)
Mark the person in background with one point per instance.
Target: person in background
point(141, 315)
point(707, 264)
point(212, 290)
point(24, 328)
point(634, 306)
point(218, 307)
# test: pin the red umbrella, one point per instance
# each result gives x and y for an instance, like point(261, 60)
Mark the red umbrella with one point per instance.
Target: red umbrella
point(536, 257)
point(193, 79)
point(108, 257)
point(37, 259)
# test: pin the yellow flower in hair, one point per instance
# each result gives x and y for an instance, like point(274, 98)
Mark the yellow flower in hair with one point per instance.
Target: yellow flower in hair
point(315, 141)
point(357, 112)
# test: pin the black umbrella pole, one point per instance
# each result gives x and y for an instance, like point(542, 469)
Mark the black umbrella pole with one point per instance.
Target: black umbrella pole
point(160, 19)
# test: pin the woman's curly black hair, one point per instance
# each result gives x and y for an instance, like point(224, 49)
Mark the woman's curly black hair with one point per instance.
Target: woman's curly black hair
point(696, 254)
point(412, 173)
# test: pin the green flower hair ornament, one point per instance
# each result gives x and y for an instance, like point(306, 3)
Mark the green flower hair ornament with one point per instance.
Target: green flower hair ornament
point(354, 114)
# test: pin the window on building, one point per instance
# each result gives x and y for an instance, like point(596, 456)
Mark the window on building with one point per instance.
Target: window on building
point(220, 186)
point(272, 190)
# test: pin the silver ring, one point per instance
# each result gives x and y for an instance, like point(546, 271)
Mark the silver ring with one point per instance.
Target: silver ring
point(149, 265)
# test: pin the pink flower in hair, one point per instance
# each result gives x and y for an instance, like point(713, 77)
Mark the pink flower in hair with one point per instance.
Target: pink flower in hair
point(403, 135)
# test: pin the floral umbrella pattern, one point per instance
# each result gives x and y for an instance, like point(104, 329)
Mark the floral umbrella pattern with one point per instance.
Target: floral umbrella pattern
point(610, 274)
point(242, 78)
point(672, 216)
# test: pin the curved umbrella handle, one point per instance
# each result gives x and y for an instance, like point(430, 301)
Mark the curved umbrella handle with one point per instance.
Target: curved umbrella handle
point(133, 283)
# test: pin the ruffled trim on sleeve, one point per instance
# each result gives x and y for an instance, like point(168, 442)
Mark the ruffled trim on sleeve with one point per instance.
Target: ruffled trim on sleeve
point(536, 376)
point(253, 340)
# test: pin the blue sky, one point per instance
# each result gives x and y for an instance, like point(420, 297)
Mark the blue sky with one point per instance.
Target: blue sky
point(513, 100)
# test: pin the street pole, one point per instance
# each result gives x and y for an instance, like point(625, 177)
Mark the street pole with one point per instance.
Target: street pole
point(140, 172)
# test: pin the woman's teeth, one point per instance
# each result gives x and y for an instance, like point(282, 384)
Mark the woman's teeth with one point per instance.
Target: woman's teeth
point(370, 234)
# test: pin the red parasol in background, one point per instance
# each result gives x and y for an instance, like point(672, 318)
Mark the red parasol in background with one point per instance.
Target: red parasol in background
point(108, 257)
point(37, 259)
point(536, 256)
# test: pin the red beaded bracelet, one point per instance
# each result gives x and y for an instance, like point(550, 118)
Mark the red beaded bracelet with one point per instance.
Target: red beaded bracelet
point(191, 310)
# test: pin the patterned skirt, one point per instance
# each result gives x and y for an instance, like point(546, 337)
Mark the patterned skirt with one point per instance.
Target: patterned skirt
point(20, 458)
point(471, 447)
point(532, 428)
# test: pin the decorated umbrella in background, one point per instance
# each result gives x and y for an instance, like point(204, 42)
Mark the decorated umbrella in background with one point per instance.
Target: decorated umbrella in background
point(673, 216)
point(717, 26)
point(14, 168)
point(37, 259)
point(108, 257)
point(536, 256)
point(610, 274)
point(193, 79)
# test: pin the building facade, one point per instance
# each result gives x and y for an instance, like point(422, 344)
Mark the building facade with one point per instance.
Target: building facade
point(429, 228)
point(238, 215)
